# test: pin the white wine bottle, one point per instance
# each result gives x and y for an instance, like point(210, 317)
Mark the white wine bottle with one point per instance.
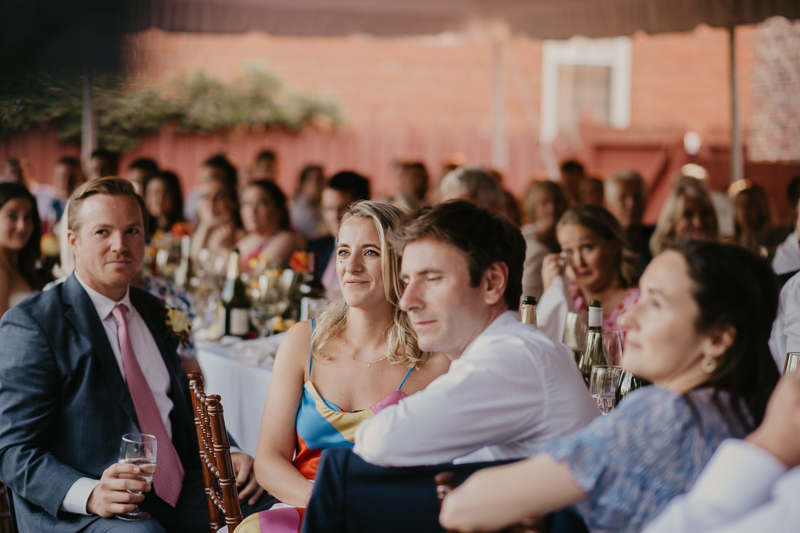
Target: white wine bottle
point(183, 274)
point(527, 311)
point(236, 301)
point(594, 352)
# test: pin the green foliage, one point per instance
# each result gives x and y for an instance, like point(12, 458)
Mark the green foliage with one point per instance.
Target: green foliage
point(196, 103)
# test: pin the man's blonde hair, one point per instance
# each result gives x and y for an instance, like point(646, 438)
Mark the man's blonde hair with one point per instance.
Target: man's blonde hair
point(110, 186)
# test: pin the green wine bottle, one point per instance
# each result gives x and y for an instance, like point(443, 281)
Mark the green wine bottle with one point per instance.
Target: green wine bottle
point(236, 301)
point(527, 311)
point(594, 352)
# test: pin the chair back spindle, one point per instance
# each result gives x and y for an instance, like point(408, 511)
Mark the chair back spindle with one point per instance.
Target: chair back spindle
point(215, 457)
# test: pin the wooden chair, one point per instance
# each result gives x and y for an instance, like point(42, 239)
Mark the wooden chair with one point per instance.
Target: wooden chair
point(215, 456)
point(446, 482)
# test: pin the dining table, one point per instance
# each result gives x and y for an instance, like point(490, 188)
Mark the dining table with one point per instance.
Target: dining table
point(242, 387)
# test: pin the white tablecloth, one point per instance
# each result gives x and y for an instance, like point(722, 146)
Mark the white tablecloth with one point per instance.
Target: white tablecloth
point(243, 388)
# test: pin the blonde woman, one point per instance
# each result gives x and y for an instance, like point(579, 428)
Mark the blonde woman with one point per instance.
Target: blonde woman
point(331, 374)
point(688, 212)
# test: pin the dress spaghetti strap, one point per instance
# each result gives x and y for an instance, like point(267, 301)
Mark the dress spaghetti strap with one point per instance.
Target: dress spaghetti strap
point(406, 377)
point(311, 352)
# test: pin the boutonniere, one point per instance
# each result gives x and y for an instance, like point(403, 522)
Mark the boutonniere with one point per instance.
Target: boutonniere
point(177, 324)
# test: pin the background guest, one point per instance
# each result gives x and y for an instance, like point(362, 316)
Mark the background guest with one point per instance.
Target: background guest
point(753, 218)
point(68, 176)
point(265, 167)
point(704, 346)
point(103, 163)
point(474, 184)
point(341, 190)
point(602, 267)
point(305, 212)
point(687, 212)
point(590, 192)
point(572, 175)
point(49, 200)
point(544, 205)
point(265, 217)
point(626, 199)
point(140, 171)
point(413, 180)
point(164, 200)
point(787, 255)
point(215, 167)
point(20, 229)
point(218, 226)
point(360, 349)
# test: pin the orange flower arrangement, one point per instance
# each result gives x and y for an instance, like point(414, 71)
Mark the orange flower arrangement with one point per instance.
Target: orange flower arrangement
point(299, 261)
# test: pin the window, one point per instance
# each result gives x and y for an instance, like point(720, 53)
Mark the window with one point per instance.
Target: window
point(581, 76)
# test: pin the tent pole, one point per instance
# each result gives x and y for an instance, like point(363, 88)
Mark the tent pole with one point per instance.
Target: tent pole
point(499, 134)
point(737, 154)
point(89, 124)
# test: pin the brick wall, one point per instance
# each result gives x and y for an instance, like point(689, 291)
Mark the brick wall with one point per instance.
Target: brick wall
point(775, 129)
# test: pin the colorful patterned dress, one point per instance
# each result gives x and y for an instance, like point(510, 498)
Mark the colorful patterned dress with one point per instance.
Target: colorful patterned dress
point(320, 425)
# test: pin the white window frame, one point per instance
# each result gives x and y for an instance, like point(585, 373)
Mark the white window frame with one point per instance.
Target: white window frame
point(613, 52)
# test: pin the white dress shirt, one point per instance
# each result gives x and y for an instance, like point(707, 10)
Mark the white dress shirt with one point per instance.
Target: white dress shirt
point(152, 365)
point(743, 489)
point(510, 389)
point(785, 336)
point(787, 255)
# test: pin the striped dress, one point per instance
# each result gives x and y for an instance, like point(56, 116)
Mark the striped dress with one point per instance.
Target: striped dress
point(320, 425)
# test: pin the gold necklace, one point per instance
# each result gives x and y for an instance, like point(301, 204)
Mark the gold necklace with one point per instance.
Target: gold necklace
point(350, 352)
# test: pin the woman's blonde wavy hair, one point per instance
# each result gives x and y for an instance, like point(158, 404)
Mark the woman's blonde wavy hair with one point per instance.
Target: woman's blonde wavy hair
point(401, 342)
point(685, 187)
point(602, 222)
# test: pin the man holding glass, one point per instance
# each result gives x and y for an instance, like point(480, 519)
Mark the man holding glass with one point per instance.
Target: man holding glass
point(87, 362)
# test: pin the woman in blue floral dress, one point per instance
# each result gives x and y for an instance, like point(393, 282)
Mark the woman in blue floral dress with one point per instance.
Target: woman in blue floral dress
point(699, 333)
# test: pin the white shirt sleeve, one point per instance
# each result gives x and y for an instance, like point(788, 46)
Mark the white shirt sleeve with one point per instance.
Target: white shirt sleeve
point(78, 494)
point(785, 336)
point(472, 406)
point(737, 480)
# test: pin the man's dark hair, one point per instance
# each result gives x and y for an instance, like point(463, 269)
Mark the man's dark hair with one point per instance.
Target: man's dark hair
point(267, 155)
point(310, 170)
point(572, 167)
point(146, 165)
point(352, 183)
point(484, 238)
point(110, 161)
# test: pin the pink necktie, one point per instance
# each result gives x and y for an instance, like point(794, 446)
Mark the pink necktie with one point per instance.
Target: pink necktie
point(168, 479)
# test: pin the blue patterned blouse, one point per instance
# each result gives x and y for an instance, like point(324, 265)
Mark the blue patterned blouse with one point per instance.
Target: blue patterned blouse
point(176, 297)
point(648, 451)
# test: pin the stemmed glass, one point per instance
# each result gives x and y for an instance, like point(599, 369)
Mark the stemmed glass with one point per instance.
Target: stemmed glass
point(603, 386)
point(138, 449)
point(792, 362)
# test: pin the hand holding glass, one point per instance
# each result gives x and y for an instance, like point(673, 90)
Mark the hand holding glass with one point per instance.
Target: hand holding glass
point(603, 386)
point(140, 450)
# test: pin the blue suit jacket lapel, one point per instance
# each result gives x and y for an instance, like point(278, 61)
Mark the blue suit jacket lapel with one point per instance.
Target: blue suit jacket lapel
point(83, 316)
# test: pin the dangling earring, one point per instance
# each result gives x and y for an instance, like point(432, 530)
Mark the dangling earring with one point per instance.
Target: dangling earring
point(709, 364)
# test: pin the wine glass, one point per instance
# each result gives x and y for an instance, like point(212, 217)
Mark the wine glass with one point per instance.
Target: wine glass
point(575, 327)
point(603, 386)
point(138, 449)
point(792, 362)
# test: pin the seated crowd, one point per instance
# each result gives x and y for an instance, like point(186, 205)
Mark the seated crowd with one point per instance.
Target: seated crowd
point(418, 363)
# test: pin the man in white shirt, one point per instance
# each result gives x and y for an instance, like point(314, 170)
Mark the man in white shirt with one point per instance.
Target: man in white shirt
point(509, 386)
point(750, 485)
point(85, 363)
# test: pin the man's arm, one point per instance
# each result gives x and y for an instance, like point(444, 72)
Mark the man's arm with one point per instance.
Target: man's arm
point(470, 407)
point(29, 396)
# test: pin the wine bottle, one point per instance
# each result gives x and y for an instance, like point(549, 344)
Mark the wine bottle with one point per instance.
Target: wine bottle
point(594, 352)
point(183, 274)
point(629, 383)
point(527, 311)
point(236, 301)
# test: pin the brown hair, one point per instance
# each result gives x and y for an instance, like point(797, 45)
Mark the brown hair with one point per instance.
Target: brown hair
point(759, 199)
point(536, 189)
point(735, 288)
point(484, 237)
point(601, 221)
point(110, 186)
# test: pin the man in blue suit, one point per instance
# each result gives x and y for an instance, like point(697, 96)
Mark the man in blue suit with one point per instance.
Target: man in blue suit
point(85, 363)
